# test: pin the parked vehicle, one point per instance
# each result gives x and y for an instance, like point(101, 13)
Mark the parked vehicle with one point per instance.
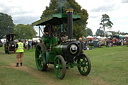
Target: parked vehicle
point(10, 44)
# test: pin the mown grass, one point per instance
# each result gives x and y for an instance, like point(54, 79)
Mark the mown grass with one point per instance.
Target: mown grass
point(110, 64)
point(109, 67)
point(9, 76)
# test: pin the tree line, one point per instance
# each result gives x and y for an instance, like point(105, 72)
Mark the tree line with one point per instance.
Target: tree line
point(7, 26)
point(55, 6)
point(27, 32)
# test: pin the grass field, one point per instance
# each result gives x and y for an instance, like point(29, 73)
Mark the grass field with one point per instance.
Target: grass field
point(109, 67)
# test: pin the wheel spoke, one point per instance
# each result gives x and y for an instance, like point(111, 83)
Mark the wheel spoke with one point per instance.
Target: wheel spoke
point(83, 69)
point(39, 50)
point(86, 67)
point(59, 71)
point(60, 66)
point(86, 64)
point(38, 59)
point(58, 61)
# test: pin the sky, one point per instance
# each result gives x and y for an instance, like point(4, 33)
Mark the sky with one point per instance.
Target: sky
point(29, 11)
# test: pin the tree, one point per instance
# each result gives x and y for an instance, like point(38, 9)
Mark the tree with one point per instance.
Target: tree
point(123, 33)
point(6, 24)
point(24, 31)
point(105, 22)
point(78, 26)
point(88, 32)
point(99, 32)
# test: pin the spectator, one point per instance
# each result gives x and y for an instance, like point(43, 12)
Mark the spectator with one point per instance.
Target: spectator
point(98, 44)
point(107, 43)
point(19, 50)
point(127, 41)
point(81, 45)
point(26, 44)
point(85, 45)
point(36, 44)
point(120, 41)
point(112, 42)
point(33, 44)
point(29, 45)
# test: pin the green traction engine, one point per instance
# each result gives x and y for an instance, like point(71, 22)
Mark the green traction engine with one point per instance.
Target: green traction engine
point(61, 53)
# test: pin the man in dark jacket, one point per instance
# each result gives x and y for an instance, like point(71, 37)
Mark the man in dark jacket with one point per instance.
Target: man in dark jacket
point(81, 45)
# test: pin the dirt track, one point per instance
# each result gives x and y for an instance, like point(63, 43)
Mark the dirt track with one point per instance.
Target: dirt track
point(33, 72)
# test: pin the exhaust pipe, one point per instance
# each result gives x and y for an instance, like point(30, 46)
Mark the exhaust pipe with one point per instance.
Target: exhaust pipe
point(70, 23)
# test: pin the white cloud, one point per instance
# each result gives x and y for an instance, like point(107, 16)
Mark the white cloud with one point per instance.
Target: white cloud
point(28, 11)
point(116, 9)
point(23, 11)
point(124, 1)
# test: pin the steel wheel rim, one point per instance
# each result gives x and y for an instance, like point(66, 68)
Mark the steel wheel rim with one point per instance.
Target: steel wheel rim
point(39, 60)
point(83, 65)
point(58, 67)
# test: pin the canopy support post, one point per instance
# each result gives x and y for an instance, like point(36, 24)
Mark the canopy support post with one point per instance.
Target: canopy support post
point(39, 31)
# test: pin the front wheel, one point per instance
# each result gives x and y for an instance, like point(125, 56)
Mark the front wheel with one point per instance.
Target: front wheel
point(60, 66)
point(84, 64)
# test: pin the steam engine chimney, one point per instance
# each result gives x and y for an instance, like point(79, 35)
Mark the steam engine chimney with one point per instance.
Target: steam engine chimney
point(70, 23)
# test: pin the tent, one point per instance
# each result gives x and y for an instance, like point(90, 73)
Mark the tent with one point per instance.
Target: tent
point(90, 37)
point(122, 36)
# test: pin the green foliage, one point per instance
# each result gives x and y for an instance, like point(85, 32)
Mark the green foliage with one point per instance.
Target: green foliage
point(114, 33)
point(118, 33)
point(88, 32)
point(6, 24)
point(99, 32)
point(78, 26)
point(124, 33)
point(24, 31)
point(105, 21)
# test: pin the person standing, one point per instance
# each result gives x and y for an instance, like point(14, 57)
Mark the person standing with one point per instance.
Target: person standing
point(107, 42)
point(33, 44)
point(19, 50)
point(111, 42)
point(81, 45)
point(26, 44)
point(127, 41)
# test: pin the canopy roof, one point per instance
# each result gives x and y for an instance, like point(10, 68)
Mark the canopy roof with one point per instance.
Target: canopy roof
point(120, 36)
point(11, 34)
point(55, 19)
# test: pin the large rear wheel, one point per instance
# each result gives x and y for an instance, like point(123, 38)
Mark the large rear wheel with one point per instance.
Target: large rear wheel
point(60, 66)
point(84, 64)
point(40, 57)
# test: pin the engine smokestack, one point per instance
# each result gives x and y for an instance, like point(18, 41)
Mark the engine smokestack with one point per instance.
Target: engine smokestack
point(70, 23)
